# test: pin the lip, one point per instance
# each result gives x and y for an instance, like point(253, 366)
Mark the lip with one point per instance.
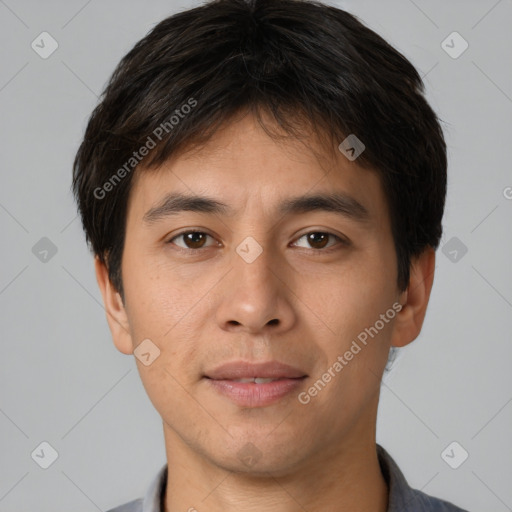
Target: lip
point(246, 370)
point(223, 380)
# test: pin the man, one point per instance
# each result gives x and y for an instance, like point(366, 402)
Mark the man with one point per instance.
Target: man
point(263, 186)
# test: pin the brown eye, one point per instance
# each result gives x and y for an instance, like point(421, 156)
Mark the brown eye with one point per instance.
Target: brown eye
point(318, 239)
point(191, 239)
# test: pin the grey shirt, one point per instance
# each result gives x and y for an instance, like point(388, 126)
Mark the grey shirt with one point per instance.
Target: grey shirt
point(401, 497)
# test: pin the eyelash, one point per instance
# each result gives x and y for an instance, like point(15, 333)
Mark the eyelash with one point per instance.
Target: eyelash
point(340, 240)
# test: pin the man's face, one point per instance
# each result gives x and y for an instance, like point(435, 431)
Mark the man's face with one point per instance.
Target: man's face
point(213, 298)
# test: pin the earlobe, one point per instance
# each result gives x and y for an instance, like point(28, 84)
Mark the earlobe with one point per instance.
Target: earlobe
point(115, 310)
point(415, 299)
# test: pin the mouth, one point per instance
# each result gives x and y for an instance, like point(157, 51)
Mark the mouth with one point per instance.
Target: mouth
point(255, 385)
point(257, 380)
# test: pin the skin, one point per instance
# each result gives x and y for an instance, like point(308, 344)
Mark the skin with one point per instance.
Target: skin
point(212, 306)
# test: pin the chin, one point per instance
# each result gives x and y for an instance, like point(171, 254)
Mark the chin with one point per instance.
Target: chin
point(259, 457)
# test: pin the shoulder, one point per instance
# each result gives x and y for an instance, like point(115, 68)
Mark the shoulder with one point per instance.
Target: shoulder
point(132, 506)
point(418, 500)
point(402, 497)
point(153, 500)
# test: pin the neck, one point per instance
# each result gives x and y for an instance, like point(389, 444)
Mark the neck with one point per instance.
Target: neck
point(348, 477)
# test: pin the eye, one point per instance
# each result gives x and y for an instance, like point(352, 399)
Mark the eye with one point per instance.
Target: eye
point(194, 240)
point(318, 239)
point(191, 239)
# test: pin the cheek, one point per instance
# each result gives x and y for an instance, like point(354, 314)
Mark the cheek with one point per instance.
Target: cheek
point(349, 299)
point(172, 310)
point(358, 338)
point(157, 296)
point(169, 392)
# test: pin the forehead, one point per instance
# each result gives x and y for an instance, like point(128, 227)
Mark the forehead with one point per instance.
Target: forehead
point(241, 165)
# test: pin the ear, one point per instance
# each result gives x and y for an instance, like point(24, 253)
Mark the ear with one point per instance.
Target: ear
point(415, 299)
point(116, 313)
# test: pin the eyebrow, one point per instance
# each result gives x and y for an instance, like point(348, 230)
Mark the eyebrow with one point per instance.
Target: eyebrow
point(339, 203)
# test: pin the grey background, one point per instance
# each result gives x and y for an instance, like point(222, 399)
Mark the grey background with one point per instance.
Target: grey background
point(62, 380)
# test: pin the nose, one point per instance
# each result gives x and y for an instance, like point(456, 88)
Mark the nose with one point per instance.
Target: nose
point(257, 294)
